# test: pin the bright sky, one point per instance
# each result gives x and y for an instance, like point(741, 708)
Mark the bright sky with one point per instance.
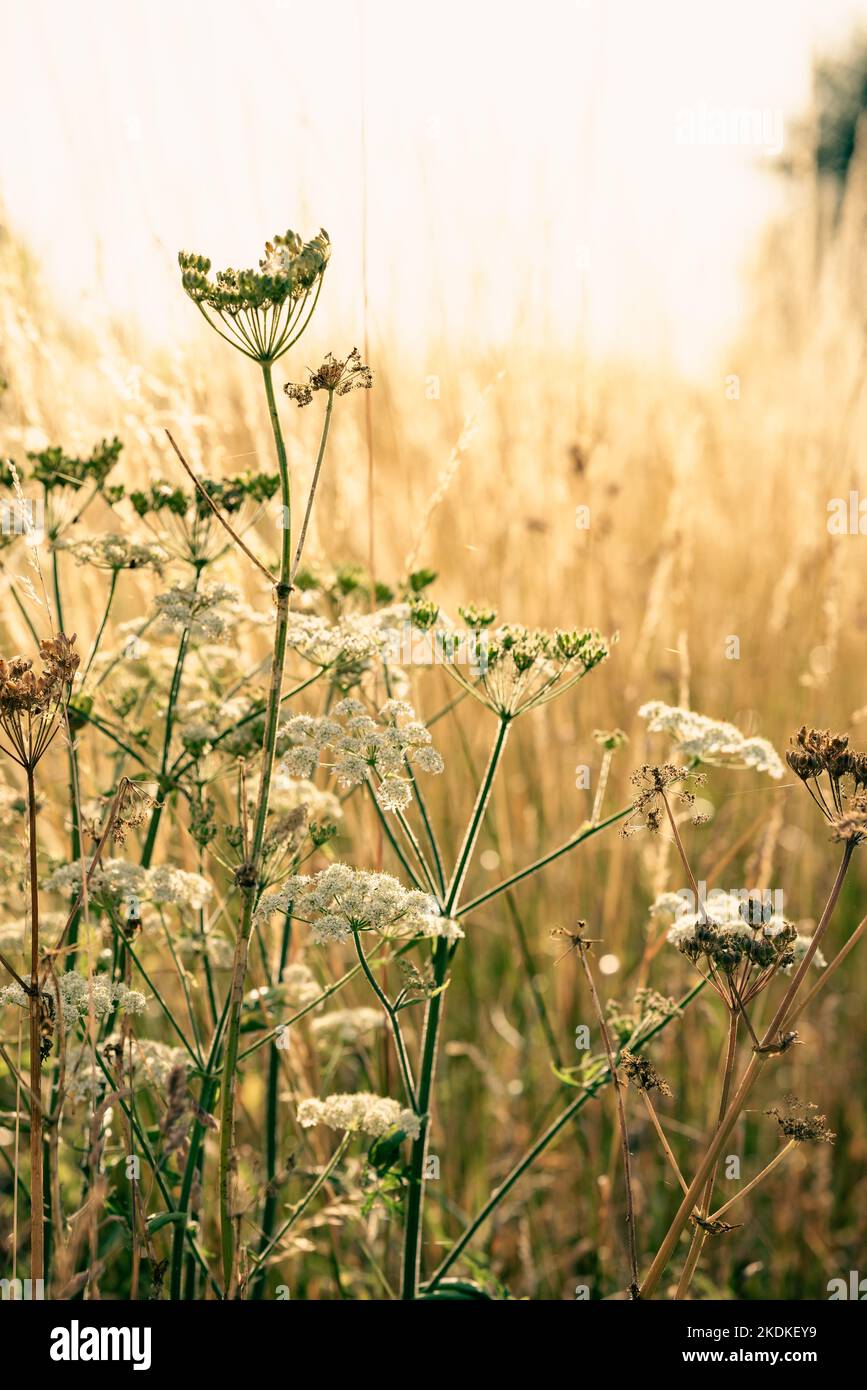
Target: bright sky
point(525, 165)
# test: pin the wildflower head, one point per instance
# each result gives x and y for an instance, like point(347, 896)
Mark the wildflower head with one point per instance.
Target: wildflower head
point(336, 377)
point(652, 782)
point(30, 705)
point(359, 1113)
point(736, 947)
point(711, 741)
point(261, 312)
point(642, 1073)
point(797, 1121)
point(359, 748)
point(817, 754)
point(512, 668)
point(340, 901)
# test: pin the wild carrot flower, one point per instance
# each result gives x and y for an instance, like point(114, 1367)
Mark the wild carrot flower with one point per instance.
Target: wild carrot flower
point(359, 1113)
point(112, 552)
point(710, 741)
point(115, 880)
point(347, 1026)
point(261, 312)
point(78, 996)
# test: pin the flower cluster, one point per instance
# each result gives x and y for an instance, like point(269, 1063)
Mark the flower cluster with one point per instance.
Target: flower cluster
point(259, 311)
point(361, 1113)
point(116, 880)
point(711, 741)
point(334, 376)
point(513, 668)
point(346, 1026)
point(815, 752)
point(797, 1121)
point(206, 611)
point(363, 748)
point(349, 645)
point(153, 1064)
point(739, 948)
point(339, 901)
point(114, 553)
point(300, 985)
point(75, 997)
point(55, 469)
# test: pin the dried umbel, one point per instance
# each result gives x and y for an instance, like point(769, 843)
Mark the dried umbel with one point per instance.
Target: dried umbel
point(797, 1121)
point(817, 754)
point(642, 1073)
point(336, 377)
point(30, 705)
point(653, 782)
point(261, 312)
point(738, 950)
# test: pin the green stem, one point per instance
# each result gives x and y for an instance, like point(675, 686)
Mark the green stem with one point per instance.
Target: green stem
point(101, 629)
point(251, 870)
point(394, 1024)
point(583, 834)
point(433, 1017)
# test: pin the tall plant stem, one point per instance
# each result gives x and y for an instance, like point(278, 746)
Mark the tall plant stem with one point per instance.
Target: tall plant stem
point(748, 1081)
point(699, 1235)
point(433, 1018)
point(249, 872)
point(174, 692)
point(37, 1212)
point(393, 1022)
point(582, 949)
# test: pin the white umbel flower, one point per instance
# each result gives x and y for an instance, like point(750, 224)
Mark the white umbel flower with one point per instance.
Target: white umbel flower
point(361, 748)
point(347, 1026)
point(79, 996)
point(117, 880)
point(361, 1113)
point(341, 900)
point(710, 740)
point(207, 611)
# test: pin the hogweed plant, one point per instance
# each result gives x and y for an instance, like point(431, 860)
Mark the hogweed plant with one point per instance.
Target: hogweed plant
point(256, 830)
